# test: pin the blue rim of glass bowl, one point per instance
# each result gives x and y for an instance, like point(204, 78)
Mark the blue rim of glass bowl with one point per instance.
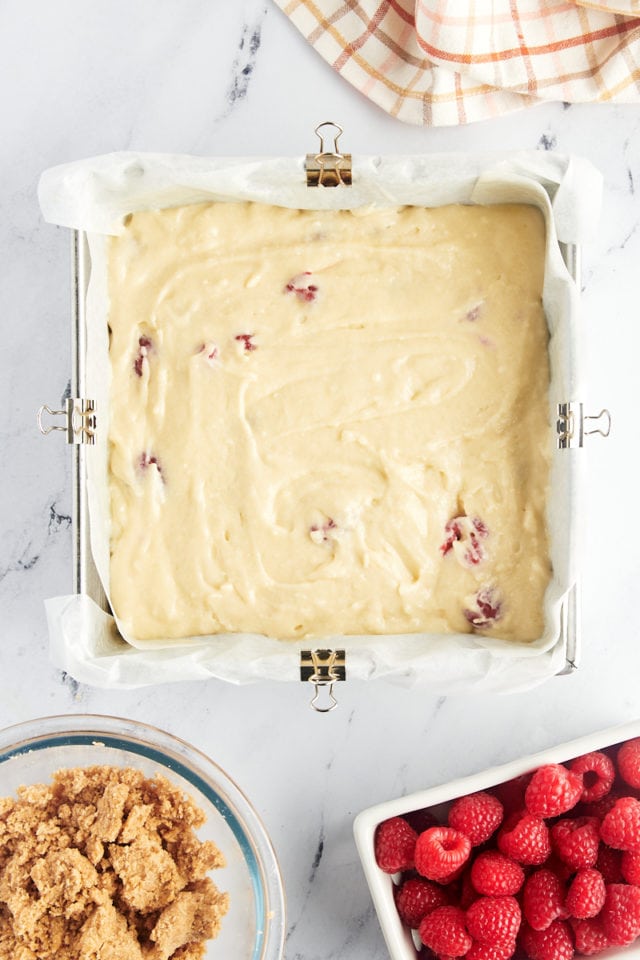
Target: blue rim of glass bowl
point(60, 739)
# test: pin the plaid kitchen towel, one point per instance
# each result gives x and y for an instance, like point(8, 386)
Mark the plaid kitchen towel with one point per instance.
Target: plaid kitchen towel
point(439, 62)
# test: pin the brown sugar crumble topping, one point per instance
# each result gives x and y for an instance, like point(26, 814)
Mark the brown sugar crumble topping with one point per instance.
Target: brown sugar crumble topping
point(104, 864)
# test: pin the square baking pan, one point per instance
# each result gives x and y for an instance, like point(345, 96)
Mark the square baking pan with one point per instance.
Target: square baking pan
point(402, 943)
point(322, 663)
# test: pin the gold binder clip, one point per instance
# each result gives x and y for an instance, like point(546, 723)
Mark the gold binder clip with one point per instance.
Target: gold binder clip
point(79, 416)
point(571, 425)
point(328, 168)
point(323, 668)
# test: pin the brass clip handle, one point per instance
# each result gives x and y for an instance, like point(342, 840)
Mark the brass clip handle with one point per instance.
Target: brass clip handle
point(323, 668)
point(80, 420)
point(315, 702)
point(571, 424)
point(336, 136)
point(323, 677)
point(603, 430)
point(49, 428)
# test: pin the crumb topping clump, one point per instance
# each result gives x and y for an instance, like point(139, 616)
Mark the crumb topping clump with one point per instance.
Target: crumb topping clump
point(104, 864)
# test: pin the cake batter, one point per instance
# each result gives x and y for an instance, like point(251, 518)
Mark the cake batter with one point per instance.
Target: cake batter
point(329, 422)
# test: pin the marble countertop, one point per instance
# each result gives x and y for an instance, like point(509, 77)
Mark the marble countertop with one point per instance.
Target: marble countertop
point(237, 79)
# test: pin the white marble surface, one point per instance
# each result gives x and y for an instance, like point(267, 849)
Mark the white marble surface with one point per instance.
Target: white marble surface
point(235, 78)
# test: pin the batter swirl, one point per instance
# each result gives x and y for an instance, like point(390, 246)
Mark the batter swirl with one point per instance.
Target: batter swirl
point(329, 423)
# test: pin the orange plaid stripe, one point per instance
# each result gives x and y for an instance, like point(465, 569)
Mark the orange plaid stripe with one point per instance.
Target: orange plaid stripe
point(425, 63)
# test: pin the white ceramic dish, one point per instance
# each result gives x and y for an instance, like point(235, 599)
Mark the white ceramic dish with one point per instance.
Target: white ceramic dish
point(398, 938)
point(254, 927)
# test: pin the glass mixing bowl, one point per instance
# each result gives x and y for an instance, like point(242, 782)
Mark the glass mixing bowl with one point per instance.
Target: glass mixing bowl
point(254, 927)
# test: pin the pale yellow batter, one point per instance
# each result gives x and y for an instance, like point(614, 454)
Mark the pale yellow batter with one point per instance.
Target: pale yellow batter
point(328, 423)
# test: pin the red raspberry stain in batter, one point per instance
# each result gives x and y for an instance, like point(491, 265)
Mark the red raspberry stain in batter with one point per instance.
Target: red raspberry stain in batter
point(147, 460)
point(474, 314)
point(469, 530)
point(247, 340)
point(488, 608)
point(305, 291)
point(145, 346)
point(209, 350)
point(321, 533)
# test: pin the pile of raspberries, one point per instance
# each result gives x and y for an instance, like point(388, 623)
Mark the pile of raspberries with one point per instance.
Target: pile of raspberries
point(544, 866)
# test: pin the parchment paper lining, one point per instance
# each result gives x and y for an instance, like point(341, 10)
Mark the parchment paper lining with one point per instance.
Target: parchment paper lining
point(94, 195)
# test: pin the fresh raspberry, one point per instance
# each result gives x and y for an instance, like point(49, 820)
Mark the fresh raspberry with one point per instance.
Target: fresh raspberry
point(494, 920)
point(621, 826)
point(609, 864)
point(490, 951)
point(576, 841)
point(630, 866)
point(554, 943)
point(586, 895)
point(477, 815)
point(440, 852)
point(416, 897)
point(621, 913)
point(553, 790)
point(543, 899)
point(511, 793)
point(629, 762)
point(394, 845)
point(463, 536)
point(495, 875)
point(301, 285)
point(597, 772)
point(484, 609)
point(589, 936)
point(421, 820)
point(525, 838)
point(444, 931)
